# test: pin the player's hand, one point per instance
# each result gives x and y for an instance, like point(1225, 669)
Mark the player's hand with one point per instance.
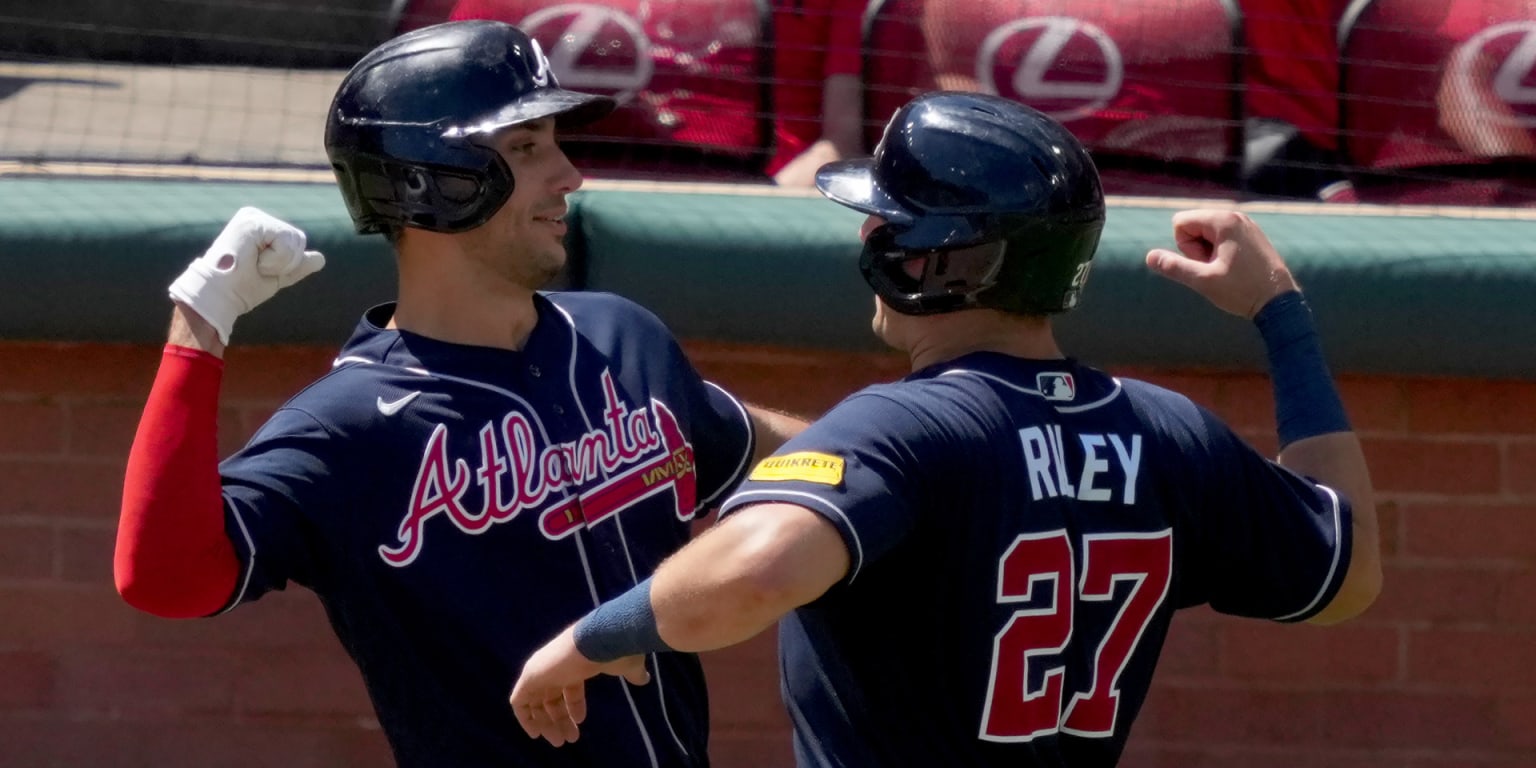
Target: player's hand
point(1225, 257)
point(550, 696)
point(251, 260)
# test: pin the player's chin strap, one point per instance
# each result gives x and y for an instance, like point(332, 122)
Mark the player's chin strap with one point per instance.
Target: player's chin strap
point(623, 626)
point(1306, 402)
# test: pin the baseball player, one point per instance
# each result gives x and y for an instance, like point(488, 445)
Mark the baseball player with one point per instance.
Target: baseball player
point(484, 463)
point(977, 565)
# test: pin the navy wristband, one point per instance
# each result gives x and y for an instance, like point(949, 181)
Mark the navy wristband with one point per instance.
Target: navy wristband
point(1306, 402)
point(623, 626)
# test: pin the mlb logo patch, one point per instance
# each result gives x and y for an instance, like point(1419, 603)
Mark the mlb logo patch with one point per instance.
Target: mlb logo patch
point(1057, 387)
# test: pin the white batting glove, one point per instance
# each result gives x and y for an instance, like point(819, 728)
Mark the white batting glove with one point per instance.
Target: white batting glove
point(255, 256)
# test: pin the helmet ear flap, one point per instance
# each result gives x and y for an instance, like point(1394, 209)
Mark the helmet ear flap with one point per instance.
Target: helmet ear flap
point(947, 279)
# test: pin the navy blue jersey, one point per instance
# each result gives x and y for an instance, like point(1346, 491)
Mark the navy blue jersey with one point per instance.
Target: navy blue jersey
point(1020, 533)
point(455, 506)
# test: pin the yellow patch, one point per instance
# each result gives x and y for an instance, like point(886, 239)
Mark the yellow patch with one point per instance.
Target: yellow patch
point(809, 467)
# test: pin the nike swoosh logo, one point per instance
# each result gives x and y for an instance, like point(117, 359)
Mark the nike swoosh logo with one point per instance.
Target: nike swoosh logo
point(392, 407)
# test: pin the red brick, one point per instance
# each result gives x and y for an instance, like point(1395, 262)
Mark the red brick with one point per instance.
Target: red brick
point(1520, 468)
point(1230, 716)
point(173, 683)
point(85, 554)
point(1473, 659)
point(1470, 531)
point(1466, 407)
point(26, 680)
point(61, 489)
point(33, 427)
point(1462, 759)
point(59, 741)
point(103, 429)
point(1200, 388)
point(361, 745)
point(67, 616)
point(66, 369)
point(291, 621)
point(1412, 465)
point(1192, 649)
point(1300, 654)
point(26, 551)
point(1404, 720)
point(231, 745)
point(801, 382)
point(751, 671)
point(1439, 594)
point(1389, 526)
point(1138, 755)
point(1517, 599)
point(263, 373)
point(1375, 404)
point(1517, 720)
point(235, 429)
point(732, 749)
point(274, 682)
point(1246, 402)
point(1266, 442)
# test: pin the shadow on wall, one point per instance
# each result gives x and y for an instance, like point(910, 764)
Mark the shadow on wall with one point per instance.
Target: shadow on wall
point(282, 33)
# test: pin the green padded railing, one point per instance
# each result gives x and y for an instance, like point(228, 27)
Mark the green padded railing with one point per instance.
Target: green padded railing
point(88, 260)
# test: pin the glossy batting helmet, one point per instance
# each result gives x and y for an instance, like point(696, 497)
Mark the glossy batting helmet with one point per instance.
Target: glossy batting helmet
point(1004, 199)
point(407, 132)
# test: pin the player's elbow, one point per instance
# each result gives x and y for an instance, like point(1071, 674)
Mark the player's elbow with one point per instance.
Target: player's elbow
point(170, 593)
point(1361, 587)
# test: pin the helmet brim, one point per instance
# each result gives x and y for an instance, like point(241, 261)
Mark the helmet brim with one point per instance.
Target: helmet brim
point(852, 183)
point(570, 109)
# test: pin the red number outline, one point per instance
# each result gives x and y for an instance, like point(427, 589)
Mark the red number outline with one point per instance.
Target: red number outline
point(1012, 713)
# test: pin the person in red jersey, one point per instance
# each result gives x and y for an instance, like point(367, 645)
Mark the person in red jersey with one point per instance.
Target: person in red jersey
point(817, 92)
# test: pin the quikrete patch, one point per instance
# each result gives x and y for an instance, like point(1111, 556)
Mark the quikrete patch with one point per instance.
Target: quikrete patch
point(806, 466)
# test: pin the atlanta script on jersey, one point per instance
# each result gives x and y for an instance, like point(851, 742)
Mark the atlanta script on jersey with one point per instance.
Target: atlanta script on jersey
point(1020, 533)
point(456, 506)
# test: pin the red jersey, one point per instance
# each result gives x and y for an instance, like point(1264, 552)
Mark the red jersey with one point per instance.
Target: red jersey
point(1399, 53)
point(1145, 78)
point(686, 72)
point(812, 41)
point(1441, 84)
point(1292, 64)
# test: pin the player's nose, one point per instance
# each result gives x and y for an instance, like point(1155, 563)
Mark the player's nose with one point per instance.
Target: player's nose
point(567, 177)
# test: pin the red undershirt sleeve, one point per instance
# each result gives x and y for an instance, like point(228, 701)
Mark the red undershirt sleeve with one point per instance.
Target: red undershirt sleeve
point(173, 558)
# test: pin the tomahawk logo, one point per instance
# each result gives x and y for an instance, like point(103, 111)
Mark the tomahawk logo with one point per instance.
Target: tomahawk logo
point(594, 49)
point(540, 77)
point(1515, 79)
point(1064, 67)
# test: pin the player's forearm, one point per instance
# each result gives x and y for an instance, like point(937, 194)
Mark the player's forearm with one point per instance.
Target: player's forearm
point(1317, 441)
point(172, 557)
point(726, 586)
point(1337, 461)
point(773, 429)
point(744, 574)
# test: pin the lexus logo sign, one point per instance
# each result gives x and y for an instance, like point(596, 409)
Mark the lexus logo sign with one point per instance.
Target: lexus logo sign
point(594, 48)
point(1064, 67)
point(1515, 79)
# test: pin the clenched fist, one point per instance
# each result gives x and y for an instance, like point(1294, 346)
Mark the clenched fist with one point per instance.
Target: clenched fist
point(255, 256)
point(1225, 257)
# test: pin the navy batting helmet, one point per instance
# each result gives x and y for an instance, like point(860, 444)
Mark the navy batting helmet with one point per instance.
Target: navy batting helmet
point(1004, 199)
point(407, 130)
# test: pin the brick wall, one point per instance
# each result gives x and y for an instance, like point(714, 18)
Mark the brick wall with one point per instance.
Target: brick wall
point(1441, 672)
